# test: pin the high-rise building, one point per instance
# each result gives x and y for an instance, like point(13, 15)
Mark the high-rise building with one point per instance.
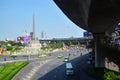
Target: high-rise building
point(31, 35)
point(43, 35)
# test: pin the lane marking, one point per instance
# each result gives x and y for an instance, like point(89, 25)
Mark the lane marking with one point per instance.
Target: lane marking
point(55, 76)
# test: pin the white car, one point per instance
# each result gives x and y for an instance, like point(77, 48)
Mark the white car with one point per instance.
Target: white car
point(66, 59)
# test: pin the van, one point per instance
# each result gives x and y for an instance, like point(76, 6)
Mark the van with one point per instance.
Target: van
point(69, 69)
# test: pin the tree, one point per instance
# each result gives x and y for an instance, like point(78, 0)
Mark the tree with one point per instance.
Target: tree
point(9, 48)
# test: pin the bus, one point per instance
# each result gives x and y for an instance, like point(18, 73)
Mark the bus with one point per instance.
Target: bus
point(69, 69)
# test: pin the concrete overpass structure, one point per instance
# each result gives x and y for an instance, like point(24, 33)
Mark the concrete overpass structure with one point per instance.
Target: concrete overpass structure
point(96, 16)
point(67, 41)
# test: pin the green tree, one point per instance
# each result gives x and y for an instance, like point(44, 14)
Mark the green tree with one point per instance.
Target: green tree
point(9, 48)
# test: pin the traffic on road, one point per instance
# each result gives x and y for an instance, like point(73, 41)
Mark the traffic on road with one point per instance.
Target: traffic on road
point(69, 67)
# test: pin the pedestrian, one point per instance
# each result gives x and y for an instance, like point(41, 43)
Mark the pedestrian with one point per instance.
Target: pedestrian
point(4, 59)
point(69, 54)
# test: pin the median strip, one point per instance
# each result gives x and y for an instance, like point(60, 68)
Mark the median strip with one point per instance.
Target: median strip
point(8, 71)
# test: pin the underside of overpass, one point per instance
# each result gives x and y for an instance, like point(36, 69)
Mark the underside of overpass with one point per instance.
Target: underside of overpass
point(96, 16)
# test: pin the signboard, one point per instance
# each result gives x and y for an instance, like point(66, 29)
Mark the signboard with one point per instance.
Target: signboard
point(87, 34)
point(20, 38)
point(26, 39)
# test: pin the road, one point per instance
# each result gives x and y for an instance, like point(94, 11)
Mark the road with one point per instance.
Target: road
point(52, 68)
point(55, 70)
point(8, 57)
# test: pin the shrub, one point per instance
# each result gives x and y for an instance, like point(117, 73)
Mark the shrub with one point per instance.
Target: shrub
point(111, 75)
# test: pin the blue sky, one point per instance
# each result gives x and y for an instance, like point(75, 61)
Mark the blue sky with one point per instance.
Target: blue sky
point(16, 16)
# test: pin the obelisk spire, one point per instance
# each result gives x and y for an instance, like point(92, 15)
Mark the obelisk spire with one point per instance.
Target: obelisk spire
point(34, 37)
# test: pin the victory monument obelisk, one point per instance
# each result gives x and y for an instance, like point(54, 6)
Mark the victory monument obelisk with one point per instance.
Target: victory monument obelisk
point(34, 35)
point(34, 45)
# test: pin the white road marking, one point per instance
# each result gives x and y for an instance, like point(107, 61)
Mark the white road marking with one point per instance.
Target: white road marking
point(28, 77)
point(55, 76)
point(30, 74)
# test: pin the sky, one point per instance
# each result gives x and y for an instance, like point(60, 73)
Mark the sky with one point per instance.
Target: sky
point(16, 16)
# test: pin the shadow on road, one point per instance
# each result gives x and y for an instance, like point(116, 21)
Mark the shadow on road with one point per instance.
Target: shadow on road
point(79, 65)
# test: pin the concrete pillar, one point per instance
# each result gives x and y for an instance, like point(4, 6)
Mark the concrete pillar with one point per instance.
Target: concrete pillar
point(99, 55)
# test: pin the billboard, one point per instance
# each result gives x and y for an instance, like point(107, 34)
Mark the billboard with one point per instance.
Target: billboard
point(87, 34)
point(20, 38)
point(26, 39)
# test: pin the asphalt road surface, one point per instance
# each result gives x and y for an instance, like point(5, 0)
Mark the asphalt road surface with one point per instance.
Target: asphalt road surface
point(55, 69)
point(52, 68)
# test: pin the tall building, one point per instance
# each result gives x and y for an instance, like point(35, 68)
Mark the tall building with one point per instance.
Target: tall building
point(31, 35)
point(43, 35)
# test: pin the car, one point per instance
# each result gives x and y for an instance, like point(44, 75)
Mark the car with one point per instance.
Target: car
point(66, 59)
point(26, 55)
point(89, 59)
point(60, 56)
point(13, 55)
point(42, 56)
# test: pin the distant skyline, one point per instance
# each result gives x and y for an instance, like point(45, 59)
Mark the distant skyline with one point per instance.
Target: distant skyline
point(16, 16)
